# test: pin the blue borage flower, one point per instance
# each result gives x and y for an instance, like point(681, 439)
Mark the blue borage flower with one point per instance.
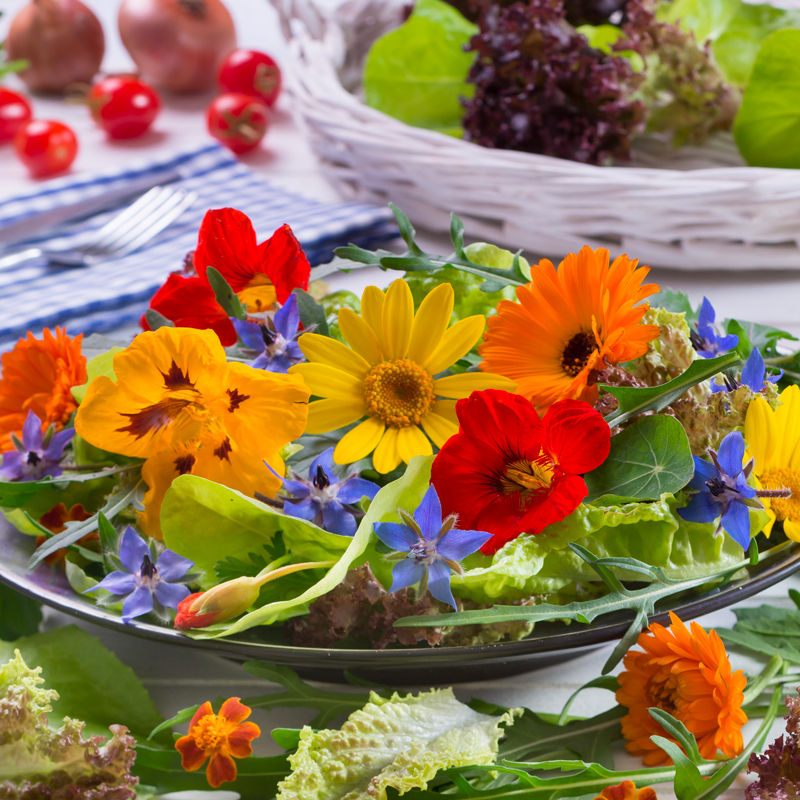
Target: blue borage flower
point(37, 455)
point(432, 548)
point(754, 375)
point(324, 498)
point(706, 339)
point(146, 584)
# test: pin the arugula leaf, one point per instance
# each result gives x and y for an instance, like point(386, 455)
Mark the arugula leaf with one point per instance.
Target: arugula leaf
point(758, 644)
point(226, 297)
point(311, 313)
point(677, 302)
point(157, 320)
point(20, 615)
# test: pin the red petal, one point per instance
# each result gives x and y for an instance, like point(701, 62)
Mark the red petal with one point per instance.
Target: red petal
point(186, 618)
point(192, 757)
point(234, 711)
point(566, 494)
point(239, 740)
point(227, 242)
point(221, 769)
point(282, 259)
point(576, 436)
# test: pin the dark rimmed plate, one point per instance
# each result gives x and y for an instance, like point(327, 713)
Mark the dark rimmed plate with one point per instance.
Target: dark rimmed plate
point(549, 644)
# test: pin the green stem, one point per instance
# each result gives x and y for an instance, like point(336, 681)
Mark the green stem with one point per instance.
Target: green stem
point(766, 678)
point(269, 573)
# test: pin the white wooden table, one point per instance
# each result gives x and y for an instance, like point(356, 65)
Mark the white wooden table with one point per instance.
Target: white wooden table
point(176, 677)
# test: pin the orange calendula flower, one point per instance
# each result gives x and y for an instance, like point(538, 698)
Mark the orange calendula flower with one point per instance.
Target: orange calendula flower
point(568, 323)
point(689, 676)
point(627, 791)
point(38, 375)
point(219, 738)
point(180, 405)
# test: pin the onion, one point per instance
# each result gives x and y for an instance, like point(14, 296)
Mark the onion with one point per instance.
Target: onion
point(63, 41)
point(177, 44)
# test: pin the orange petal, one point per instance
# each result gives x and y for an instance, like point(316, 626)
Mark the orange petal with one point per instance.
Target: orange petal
point(192, 757)
point(239, 740)
point(201, 712)
point(234, 711)
point(221, 769)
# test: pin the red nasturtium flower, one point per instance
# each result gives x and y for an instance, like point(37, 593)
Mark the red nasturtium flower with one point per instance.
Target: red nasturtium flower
point(219, 738)
point(508, 471)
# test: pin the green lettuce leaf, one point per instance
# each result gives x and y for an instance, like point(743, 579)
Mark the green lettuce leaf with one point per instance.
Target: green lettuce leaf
point(706, 19)
point(102, 364)
point(417, 73)
point(399, 742)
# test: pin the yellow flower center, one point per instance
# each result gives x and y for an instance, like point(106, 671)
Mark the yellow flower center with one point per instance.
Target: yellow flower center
point(210, 732)
point(529, 477)
point(398, 392)
point(784, 478)
point(577, 352)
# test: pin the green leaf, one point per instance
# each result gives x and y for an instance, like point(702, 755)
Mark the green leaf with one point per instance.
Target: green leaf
point(311, 312)
point(184, 715)
point(226, 297)
point(252, 563)
point(287, 738)
point(102, 364)
point(648, 459)
point(706, 19)
point(417, 72)
point(633, 401)
point(20, 615)
point(675, 728)
point(604, 682)
point(767, 127)
point(758, 644)
point(156, 320)
point(688, 780)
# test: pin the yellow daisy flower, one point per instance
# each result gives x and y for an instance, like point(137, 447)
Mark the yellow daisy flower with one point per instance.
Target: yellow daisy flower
point(773, 439)
point(387, 374)
point(180, 405)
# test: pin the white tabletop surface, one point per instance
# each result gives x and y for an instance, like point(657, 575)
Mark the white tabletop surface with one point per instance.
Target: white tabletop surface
point(176, 677)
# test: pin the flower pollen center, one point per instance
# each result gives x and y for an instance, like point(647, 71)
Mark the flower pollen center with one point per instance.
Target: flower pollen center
point(398, 392)
point(662, 690)
point(783, 477)
point(423, 552)
point(210, 732)
point(577, 352)
point(530, 478)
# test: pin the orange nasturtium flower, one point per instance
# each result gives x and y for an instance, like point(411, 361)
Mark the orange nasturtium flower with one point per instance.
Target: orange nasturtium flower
point(689, 676)
point(219, 738)
point(38, 375)
point(180, 405)
point(627, 791)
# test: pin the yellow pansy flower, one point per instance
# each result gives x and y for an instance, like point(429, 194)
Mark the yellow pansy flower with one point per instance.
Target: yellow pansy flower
point(387, 375)
point(773, 438)
point(180, 405)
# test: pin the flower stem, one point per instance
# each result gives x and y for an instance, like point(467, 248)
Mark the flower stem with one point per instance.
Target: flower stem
point(269, 573)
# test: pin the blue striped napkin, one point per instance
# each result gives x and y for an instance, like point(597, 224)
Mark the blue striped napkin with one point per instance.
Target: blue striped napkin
point(115, 293)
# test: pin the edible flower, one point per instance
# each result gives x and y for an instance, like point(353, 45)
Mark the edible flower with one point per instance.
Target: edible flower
point(55, 520)
point(774, 438)
point(627, 791)
point(180, 405)
point(144, 583)
point(433, 546)
point(568, 324)
point(324, 499)
point(754, 375)
point(274, 342)
point(388, 375)
point(219, 738)
point(706, 339)
point(38, 376)
point(689, 676)
point(37, 455)
point(508, 471)
point(260, 274)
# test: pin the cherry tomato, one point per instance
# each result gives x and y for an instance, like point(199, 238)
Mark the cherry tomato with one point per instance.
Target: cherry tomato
point(124, 107)
point(45, 147)
point(14, 113)
point(253, 73)
point(238, 121)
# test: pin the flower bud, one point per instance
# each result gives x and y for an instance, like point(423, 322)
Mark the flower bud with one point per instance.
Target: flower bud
point(223, 602)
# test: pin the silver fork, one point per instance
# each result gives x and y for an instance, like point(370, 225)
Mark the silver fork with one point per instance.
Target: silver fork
point(128, 231)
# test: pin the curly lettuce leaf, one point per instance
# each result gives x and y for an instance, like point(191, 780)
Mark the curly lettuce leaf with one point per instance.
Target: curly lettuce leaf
point(399, 742)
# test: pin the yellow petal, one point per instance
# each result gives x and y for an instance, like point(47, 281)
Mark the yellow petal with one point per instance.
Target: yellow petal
point(328, 415)
point(359, 442)
point(386, 456)
point(372, 301)
point(327, 381)
point(258, 298)
point(326, 350)
point(360, 336)
point(438, 428)
point(446, 409)
point(463, 385)
point(792, 529)
point(430, 323)
point(787, 425)
point(455, 344)
point(158, 473)
point(767, 529)
point(398, 316)
point(411, 441)
point(760, 433)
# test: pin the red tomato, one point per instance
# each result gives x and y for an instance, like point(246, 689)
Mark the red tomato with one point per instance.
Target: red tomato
point(238, 121)
point(45, 147)
point(253, 73)
point(14, 113)
point(122, 106)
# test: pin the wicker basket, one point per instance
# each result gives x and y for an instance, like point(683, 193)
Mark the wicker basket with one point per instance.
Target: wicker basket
point(692, 208)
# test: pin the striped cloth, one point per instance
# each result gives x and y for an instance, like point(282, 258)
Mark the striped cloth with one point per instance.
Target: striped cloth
point(115, 293)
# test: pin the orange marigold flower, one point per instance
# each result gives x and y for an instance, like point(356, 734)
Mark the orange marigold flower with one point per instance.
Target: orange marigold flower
point(38, 374)
point(569, 323)
point(689, 676)
point(219, 738)
point(627, 791)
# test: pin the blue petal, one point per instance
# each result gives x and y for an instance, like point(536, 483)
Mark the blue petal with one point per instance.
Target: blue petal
point(703, 471)
point(300, 489)
point(249, 333)
point(439, 583)
point(170, 594)
point(287, 319)
point(171, 566)
point(718, 387)
point(429, 514)
point(277, 364)
point(294, 352)
point(58, 442)
point(353, 489)
point(736, 521)
point(336, 520)
point(398, 537)
point(406, 573)
point(731, 453)
point(776, 378)
point(456, 545)
point(705, 320)
point(306, 509)
point(32, 436)
point(744, 490)
point(703, 508)
point(11, 469)
point(132, 550)
point(754, 370)
point(117, 583)
point(138, 603)
point(324, 460)
point(726, 343)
